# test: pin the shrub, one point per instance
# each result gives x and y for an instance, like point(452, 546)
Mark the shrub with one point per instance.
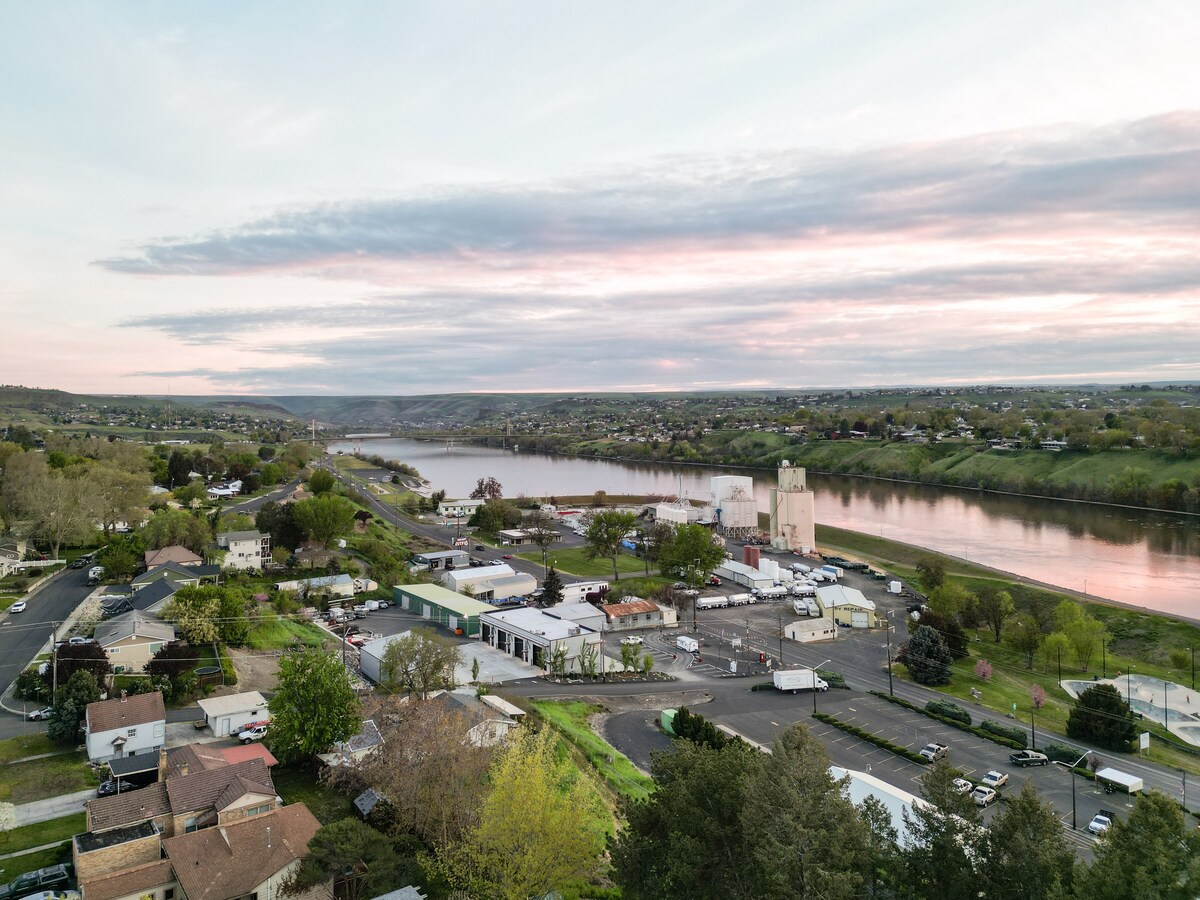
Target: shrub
point(1061, 753)
point(835, 679)
point(949, 710)
point(31, 686)
point(228, 673)
point(1008, 732)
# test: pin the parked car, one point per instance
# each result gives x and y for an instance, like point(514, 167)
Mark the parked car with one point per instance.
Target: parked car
point(1101, 822)
point(994, 779)
point(39, 715)
point(79, 563)
point(360, 610)
point(77, 640)
point(115, 786)
point(934, 752)
point(963, 786)
point(1028, 758)
point(633, 639)
point(983, 796)
point(714, 580)
point(507, 556)
point(384, 604)
point(17, 607)
point(54, 895)
point(255, 732)
point(479, 546)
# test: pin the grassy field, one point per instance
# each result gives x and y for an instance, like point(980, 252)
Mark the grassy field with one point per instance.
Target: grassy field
point(275, 633)
point(38, 779)
point(298, 784)
point(26, 745)
point(573, 561)
point(614, 769)
point(29, 862)
point(43, 833)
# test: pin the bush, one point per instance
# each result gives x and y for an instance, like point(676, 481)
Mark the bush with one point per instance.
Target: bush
point(870, 738)
point(835, 679)
point(1062, 753)
point(1009, 732)
point(227, 671)
point(763, 686)
point(948, 710)
point(31, 686)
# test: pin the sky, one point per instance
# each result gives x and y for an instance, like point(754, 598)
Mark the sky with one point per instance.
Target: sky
point(408, 198)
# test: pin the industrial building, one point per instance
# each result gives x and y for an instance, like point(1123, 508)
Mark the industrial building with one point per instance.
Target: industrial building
point(747, 576)
point(847, 606)
point(494, 583)
point(442, 606)
point(439, 561)
point(734, 507)
point(534, 636)
point(580, 613)
point(808, 631)
point(793, 511)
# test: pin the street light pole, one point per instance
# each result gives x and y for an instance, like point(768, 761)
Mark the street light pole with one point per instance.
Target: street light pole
point(814, 687)
point(1074, 819)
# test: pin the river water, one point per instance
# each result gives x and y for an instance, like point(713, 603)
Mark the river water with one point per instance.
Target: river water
point(1144, 558)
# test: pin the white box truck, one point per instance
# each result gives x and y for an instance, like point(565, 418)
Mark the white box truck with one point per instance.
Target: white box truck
point(687, 644)
point(798, 680)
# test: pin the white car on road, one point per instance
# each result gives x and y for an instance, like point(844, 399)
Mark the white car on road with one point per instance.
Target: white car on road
point(17, 607)
point(633, 639)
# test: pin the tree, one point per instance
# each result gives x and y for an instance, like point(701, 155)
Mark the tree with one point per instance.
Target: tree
point(487, 489)
point(1024, 635)
point(807, 839)
point(168, 527)
point(927, 657)
point(629, 657)
point(325, 518)
point(1054, 647)
point(194, 612)
point(952, 633)
point(59, 506)
point(321, 482)
point(1027, 857)
point(1085, 634)
point(541, 532)
point(121, 556)
point(313, 708)
point(605, 531)
point(983, 669)
point(277, 520)
point(690, 550)
point(552, 588)
point(534, 833)
point(117, 495)
point(1152, 853)
point(349, 845)
point(688, 839)
point(931, 572)
point(433, 778)
point(179, 468)
point(70, 705)
point(944, 840)
point(1101, 715)
point(171, 667)
point(995, 607)
point(420, 662)
point(72, 658)
point(880, 861)
point(233, 613)
point(950, 600)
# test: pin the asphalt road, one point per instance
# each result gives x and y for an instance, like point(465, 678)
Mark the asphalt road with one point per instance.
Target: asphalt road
point(252, 505)
point(24, 635)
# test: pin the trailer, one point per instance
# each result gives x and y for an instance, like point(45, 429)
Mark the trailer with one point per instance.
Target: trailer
point(798, 680)
point(835, 571)
point(687, 644)
point(712, 603)
point(1131, 784)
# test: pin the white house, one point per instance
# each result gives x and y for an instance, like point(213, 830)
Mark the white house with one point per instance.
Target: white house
point(244, 549)
point(230, 714)
point(125, 726)
point(456, 508)
point(341, 586)
point(577, 591)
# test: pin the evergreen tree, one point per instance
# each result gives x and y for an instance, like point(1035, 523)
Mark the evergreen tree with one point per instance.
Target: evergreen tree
point(945, 840)
point(927, 657)
point(1028, 858)
point(552, 588)
point(1152, 853)
point(1101, 715)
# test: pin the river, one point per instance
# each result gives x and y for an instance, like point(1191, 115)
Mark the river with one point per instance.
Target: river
point(1143, 558)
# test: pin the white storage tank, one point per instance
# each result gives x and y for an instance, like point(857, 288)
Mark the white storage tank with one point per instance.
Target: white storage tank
point(893, 587)
point(769, 567)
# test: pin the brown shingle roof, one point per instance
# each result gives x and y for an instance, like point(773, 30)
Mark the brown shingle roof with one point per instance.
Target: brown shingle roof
point(128, 712)
point(175, 554)
point(200, 790)
point(192, 758)
point(239, 787)
point(232, 860)
point(126, 809)
point(633, 607)
point(138, 880)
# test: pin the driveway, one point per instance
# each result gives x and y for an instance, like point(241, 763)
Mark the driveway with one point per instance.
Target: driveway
point(52, 808)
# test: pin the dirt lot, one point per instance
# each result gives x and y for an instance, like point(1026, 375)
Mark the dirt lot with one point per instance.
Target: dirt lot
point(257, 670)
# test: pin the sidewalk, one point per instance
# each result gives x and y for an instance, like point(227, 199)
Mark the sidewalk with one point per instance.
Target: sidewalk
point(51, 808)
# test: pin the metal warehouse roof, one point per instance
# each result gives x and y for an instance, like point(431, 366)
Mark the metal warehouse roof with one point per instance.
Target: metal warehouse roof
point(445, 598)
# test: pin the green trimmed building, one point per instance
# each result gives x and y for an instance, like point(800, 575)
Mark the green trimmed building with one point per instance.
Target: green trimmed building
point(438, 604)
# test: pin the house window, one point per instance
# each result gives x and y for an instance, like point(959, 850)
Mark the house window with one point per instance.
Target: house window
point(132, 732)
point(114, 650)
point(189, 825)
point(169, 894)
point(154, 648)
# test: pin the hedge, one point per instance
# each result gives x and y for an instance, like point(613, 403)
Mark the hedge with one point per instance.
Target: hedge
point(948, 710)
point(1016, 735)
point(835, 679)
point(228, 673)
point(1011, 743)
point(870, 738)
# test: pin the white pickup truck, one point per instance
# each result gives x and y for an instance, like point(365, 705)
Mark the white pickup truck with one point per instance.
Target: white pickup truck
point(255, 731)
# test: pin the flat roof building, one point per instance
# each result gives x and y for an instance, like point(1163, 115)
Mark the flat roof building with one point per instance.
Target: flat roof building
point(533, 636)
point(438, 604)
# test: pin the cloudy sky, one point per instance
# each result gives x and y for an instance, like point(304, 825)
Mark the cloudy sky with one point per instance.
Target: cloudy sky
point(400, 198)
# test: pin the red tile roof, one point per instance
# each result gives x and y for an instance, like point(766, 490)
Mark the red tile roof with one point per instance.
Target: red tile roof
point(243, 752)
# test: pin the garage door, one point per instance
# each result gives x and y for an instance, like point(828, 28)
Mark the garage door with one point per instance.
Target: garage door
point(452, 621)
point(426, 611)
point(858, 620)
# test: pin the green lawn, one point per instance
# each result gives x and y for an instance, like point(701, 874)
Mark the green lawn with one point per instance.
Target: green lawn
point(279, 634)
point(43, 833)
point(570, 719)
point(26, 745)
point(29, 862)
point(572, 561)
point(298, 784)
point(41, 778)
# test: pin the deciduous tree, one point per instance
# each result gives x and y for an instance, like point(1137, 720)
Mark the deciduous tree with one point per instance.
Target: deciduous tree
point(995, 607)
point(313, 708)
point(533, 834)
point(690, 551)
point(1024, 635)
point(194, 612)
point(325, 518)
point(605, 531)
point(487, 489)
point(321, 482)
point(419, 662)
point(931, 571)
point(176, 526)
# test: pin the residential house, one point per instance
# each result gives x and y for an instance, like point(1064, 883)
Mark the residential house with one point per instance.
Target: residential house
point(149, 599)
point(356, 748)
point(453, 509)
point(174, 554)
point(125, 726)
point(340, 586)
point(487, 723)
point(245, 550)
point(179, 576)
point(635, 613)
point(224, 491)
point(132, 639)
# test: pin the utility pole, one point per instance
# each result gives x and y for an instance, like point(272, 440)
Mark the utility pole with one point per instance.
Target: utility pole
point(54, 660)
point(891, 693)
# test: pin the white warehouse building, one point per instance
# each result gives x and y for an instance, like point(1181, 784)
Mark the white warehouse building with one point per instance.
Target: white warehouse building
point(533, 636)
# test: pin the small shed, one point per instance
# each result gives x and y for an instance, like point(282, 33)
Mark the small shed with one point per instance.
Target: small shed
point(230, 714)
point(635, 613)
point(808, 631)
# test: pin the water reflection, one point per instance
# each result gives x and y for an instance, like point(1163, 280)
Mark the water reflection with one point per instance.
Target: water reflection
point(1149, 559)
